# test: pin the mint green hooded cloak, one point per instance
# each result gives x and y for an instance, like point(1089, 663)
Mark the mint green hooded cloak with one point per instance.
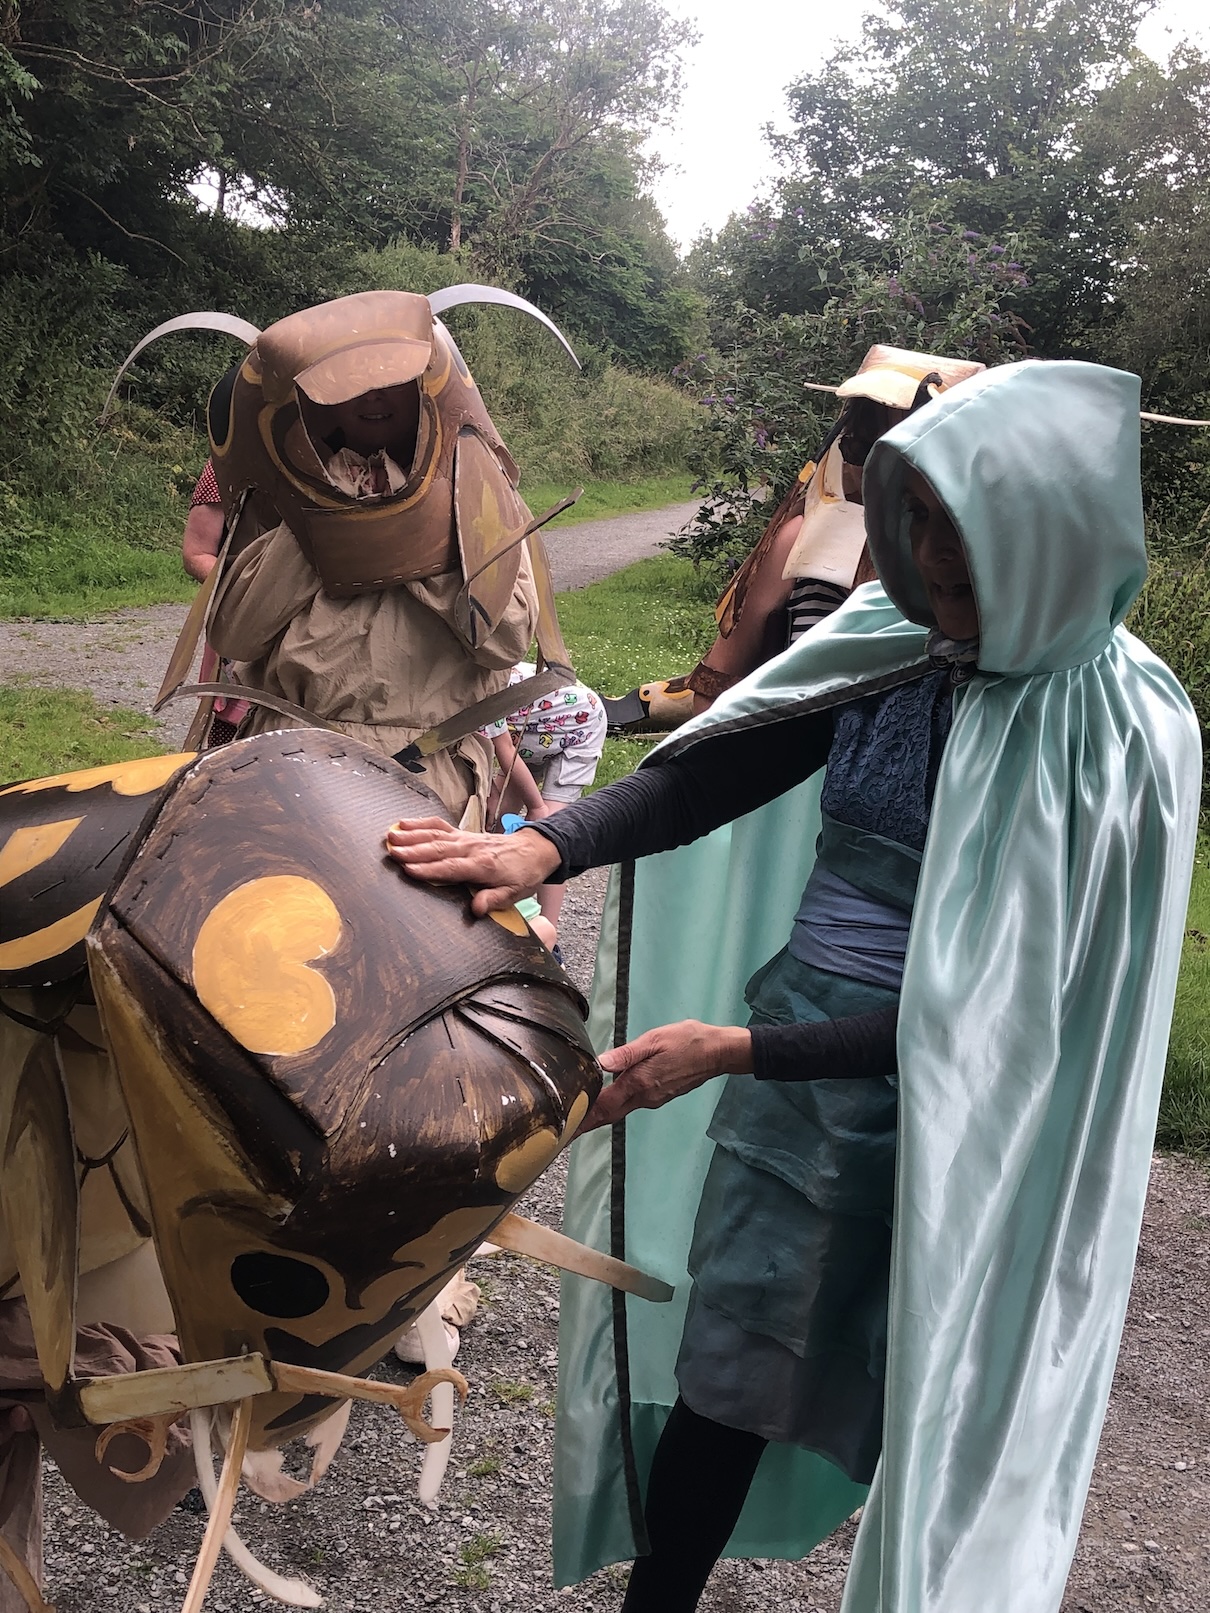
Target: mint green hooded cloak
point(1034, 1018)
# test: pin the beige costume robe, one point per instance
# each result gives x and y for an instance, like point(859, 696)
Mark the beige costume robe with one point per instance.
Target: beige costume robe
point(385, 666)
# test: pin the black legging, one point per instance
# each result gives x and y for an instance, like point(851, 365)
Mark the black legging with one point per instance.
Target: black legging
point(700, 1477)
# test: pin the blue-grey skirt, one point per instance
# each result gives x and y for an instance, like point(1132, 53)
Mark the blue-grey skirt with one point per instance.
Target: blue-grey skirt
point(786, 1330)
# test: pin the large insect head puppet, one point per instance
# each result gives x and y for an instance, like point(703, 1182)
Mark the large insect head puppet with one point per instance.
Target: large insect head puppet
point(337, 1081)
point(449, 502)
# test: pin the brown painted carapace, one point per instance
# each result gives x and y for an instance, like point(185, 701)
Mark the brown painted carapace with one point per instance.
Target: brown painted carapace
point(331, 1081)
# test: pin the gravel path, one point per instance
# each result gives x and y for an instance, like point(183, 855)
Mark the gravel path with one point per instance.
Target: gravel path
point(120, 657)
point(364, 1540)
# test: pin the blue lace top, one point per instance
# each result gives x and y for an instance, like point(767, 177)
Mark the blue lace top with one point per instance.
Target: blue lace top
point(886, 750)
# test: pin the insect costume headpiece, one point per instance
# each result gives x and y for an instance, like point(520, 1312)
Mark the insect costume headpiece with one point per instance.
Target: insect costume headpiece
point(458, 508)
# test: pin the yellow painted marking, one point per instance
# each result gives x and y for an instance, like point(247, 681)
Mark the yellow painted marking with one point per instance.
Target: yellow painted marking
point(127, 778)
point(526, 1163)
point(488, 526)
point(575, 1114)
point(42, 945)
point(26, 848)
point(509, 918)
point(251, 963)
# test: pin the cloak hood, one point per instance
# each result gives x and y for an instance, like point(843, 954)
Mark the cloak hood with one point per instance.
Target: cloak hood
point(1038, 466)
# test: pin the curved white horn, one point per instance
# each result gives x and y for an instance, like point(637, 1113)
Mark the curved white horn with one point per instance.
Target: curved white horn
point(229, 324)
point(436, 1346)
point(294, 1592)
point(458, 296)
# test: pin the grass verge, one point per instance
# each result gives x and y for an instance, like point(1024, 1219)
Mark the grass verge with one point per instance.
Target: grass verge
point(652, 620)
point(603, 499)
point(59, 568)
point(45, 731)
point(1185, 1107)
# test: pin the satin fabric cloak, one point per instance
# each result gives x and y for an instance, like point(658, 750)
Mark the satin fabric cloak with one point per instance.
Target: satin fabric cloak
point(1035, 1010)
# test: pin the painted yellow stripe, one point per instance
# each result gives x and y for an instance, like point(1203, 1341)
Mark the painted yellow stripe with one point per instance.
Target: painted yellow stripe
point(26, 950)
point(26, 848)
point(127, 778)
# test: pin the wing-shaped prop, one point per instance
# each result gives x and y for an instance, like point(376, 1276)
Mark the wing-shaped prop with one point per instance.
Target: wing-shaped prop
point(229, 324)
point(460, 296)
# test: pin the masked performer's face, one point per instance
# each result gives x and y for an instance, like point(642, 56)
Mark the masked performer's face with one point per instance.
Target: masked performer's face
point(385, 418)
point(940, 559)
point(864, 422)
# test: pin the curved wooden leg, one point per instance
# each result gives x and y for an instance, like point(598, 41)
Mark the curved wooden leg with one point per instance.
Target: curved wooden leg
point(220, 1512)
point(436, 1345)
point(294, 1592)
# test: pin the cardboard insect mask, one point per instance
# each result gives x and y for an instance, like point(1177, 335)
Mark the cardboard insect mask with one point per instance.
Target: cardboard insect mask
point(327, 1083)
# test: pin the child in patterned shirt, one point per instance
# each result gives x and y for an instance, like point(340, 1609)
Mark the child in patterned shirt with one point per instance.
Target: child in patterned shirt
point(547, 754)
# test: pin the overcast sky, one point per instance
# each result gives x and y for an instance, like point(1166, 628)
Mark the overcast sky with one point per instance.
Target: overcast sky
point(734, 81)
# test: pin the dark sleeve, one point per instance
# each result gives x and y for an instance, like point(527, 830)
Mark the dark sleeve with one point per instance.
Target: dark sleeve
point(671, 803)
point(827, 1049)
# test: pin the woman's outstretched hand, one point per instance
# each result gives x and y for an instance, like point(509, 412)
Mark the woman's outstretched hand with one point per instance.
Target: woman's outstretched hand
point(504, 867)
point(664, 1063)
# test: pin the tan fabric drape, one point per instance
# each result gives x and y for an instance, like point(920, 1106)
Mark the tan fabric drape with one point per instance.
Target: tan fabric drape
point(385, 666)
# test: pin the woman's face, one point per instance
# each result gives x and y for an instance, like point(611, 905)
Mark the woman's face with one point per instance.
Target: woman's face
point(940, 559)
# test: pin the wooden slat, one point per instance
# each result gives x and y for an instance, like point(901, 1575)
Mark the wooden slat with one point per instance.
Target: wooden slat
point(220, 1512)
point(524, 1237)
point(164, 1389)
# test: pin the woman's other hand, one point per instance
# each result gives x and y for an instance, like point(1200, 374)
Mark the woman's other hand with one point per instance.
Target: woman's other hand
point(664, 1063)
point(504, 867)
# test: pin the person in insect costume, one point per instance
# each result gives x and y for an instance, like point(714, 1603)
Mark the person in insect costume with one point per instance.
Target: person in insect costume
point(902, 1233)
point(812, 552)
point(380, 572)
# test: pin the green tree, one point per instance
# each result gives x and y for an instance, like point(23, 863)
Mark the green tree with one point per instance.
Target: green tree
point(981, 104)
point(940, 289)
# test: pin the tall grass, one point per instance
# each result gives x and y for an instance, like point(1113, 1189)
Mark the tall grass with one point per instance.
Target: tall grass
point(1185, 1108)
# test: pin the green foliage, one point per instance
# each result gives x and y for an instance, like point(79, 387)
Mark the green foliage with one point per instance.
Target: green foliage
point(604, 423)
point(936, 288)
point(1171, 617)
point(511, 1392)
point(47, 731)
point(976, 101)
point(493, 128)
point(1185, 1107)
point(478, 1550)
point(1043, 132)
point(652, 620)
